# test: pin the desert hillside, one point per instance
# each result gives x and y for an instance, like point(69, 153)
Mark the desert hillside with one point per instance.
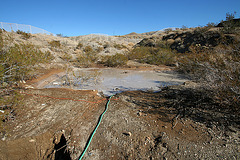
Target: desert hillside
point(44, 114)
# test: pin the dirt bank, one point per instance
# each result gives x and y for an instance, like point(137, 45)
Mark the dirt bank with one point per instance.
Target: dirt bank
point(56, 124)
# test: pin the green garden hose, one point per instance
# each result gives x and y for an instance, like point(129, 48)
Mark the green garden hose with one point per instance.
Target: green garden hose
point(94, 131)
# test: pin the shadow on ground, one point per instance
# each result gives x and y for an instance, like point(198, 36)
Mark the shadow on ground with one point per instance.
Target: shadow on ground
point(196, 104)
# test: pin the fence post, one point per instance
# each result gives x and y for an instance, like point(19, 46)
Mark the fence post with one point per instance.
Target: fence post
point(2, 25)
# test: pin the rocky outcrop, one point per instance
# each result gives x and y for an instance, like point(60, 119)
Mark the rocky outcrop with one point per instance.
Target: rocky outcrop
point(181, 41)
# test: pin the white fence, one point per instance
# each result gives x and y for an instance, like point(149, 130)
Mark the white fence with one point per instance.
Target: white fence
point(22, 27)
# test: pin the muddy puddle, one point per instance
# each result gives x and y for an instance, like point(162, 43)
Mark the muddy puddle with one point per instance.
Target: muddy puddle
point(110, 81)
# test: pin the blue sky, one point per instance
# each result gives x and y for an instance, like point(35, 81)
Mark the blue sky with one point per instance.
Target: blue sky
point(114, 17)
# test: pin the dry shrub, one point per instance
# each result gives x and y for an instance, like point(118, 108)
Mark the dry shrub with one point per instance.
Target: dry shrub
point(55, 44)
point(9, 101)
point(119, 46)
point(79, 46)
point(99, 49)
point(66, 57)
point(24, 34)
point(217, 69)
point(88, 49)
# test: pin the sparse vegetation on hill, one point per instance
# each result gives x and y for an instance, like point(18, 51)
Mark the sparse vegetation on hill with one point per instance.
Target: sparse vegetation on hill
point(17, 61)
point(210, 55)
point(55, 44)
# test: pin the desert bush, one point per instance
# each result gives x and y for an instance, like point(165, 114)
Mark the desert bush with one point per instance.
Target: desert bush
point(24, 34)
point(88, 49)
point(140, 53)
point(119, 46)
point(99, 49)
point(163, 44)
point(67, 57)
point(168, 30)
point(87, 59)
point(230, 26)
point(162, 56)
point(217, 69)
point(153, 55)
point(116, 60)
point(211, 25)
point(201, 30)
point(9, 101)
point(79, 46)
point(55, 44)
point(60, 35)
point(18, 61)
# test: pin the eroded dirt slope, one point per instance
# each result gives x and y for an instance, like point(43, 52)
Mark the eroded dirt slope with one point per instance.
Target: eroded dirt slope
point(56, 124)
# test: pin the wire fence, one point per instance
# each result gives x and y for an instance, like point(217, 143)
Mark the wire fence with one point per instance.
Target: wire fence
point(22, 27)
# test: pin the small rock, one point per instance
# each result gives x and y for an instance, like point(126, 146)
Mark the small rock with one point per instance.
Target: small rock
point(89, 153)
point(22, 81)
point(56, 83)
point(164, 127)
point(29, 87)
point(139, 113)
point(4, 138)
point(32, 140)
point(127, 134)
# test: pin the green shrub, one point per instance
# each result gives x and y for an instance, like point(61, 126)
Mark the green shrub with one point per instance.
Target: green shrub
point(163, 56)
point(24, 34)
point(18, 61)
point(116, 60)
point(87, 59)
point(153, 55)
point(140, 53)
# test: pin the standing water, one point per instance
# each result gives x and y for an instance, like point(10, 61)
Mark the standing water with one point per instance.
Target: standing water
point(110, 81)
